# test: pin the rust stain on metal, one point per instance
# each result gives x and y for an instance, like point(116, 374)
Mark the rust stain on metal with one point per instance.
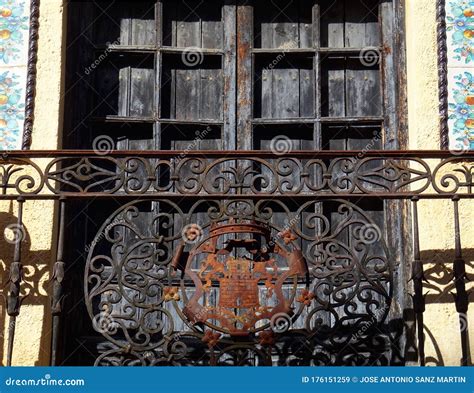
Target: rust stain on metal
point(246, 271)
point(387, 49)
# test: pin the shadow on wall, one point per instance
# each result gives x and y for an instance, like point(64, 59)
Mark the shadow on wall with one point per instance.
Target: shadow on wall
point(33, 291)
point(439, 288)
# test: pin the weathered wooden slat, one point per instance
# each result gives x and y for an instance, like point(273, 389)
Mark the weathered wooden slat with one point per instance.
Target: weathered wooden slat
point(143, 31)
point(229, 65)
point(372, 26)
point(285, 26)
point(332, 24)
point(361, 23)
point(265, 84)
point(281, 51)
point(307, 93)
point(142, 88)
point(211, 94)
point(265, 35)
point(390, 86)
point(212, 26)
point(362, 90)
point(244, 76)
point(333, 88)
point(285, 93)
point(124, 91)
point(126, 24)
point(188, 25)
point(297, 121)
point(187, 94)
point(308, 26)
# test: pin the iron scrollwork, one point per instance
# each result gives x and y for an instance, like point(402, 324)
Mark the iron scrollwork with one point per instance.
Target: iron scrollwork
point(297, 286)
point(296, 176)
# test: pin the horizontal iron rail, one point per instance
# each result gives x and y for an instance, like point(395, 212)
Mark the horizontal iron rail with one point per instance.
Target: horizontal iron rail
point(426, 154)
point(286, 197)
point(236, 174)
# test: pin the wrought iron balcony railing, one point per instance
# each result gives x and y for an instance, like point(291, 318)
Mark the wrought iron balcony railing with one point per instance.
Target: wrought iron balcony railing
point(388, 174)
point(352, 265)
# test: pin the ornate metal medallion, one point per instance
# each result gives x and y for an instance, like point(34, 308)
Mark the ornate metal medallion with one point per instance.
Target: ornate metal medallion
point(248, 269)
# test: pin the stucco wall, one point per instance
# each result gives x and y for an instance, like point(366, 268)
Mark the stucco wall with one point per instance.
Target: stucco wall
point(436, 217)
point(32, 339)
point(33, 327)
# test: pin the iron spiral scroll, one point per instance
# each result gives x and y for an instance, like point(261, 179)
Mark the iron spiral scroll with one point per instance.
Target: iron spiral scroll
point(331, 307)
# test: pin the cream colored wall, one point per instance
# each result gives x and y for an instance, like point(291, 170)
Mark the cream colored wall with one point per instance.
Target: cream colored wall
point(436, 217)
point(33, 325)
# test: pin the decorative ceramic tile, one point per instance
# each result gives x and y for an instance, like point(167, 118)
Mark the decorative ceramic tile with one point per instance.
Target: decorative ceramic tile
point(14, 32)
point(14, 22)
point(460, 41)
point(12, 107)
point(460, 32)
point(461, 108)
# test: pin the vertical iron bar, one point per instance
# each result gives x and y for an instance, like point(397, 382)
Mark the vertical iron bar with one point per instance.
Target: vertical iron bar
point(459, 277)
point(14, 280)
point(57, 279)
point(418, 277)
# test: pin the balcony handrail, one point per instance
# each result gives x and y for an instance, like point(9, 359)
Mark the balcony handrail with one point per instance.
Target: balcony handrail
point(425, 154)
point(234, 174)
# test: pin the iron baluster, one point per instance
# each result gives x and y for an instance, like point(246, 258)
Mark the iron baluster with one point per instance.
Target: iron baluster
point(13, 298)
point(57, 283)
point(418, 277)
point(461, 297)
